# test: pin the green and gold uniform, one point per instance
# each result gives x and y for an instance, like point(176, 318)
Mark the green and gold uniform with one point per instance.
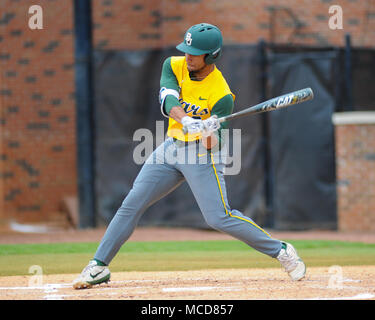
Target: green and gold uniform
point(164, 171)
point(199, 99)
point(178, 160)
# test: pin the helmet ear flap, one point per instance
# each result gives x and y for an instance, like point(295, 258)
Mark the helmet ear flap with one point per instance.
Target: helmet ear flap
point(212, 58)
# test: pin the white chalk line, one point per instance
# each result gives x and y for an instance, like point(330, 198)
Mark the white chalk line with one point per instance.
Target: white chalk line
point(183, 289)
point(361, 296)
point(48, 286)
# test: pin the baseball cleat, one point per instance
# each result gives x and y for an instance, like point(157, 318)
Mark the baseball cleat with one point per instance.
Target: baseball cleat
point(92, 274)
point(291, 262)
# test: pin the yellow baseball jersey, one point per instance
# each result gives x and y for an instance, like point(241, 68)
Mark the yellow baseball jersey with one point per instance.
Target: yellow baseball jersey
point(196, 97)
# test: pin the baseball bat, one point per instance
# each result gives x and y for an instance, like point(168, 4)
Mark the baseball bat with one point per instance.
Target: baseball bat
point(279, 102)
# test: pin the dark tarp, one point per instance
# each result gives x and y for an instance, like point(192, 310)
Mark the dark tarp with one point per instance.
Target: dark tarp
point(302, 142)
point(362, 80)
point(301, 139)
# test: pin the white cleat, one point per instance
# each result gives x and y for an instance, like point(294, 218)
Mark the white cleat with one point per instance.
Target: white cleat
point(291, 262)
point(92, 274)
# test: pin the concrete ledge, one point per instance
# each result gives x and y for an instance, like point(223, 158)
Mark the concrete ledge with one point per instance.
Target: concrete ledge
point(356, 117)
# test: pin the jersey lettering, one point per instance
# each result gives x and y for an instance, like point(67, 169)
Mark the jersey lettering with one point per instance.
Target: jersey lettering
point(196, 100)
point(193, 109)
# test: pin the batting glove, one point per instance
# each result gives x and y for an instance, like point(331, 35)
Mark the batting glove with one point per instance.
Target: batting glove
point(191, 125)
point(210, 125)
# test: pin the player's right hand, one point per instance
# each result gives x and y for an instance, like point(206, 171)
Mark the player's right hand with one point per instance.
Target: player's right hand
point(191, 125)
point(210, 125)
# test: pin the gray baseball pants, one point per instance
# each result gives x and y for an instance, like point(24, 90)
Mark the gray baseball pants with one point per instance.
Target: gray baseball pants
point(169, 166)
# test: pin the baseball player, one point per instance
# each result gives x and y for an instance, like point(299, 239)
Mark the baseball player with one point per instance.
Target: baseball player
point(193, 95)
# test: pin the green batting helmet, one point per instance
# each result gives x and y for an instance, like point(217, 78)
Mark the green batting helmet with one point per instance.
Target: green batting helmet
point(203, 38)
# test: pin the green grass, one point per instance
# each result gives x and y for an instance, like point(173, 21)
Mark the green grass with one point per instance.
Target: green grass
point(59, 258)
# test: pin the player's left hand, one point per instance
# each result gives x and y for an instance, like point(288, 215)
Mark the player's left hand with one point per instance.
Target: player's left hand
point(210, 125)
point(191, 125)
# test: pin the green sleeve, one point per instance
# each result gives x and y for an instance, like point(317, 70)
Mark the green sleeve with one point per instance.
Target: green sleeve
point(223, 107)
point(169, 80)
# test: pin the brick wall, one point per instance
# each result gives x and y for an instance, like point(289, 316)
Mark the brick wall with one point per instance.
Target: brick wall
point(134, 24)
point(38, 149)
point(37, 119)
point(355, 162)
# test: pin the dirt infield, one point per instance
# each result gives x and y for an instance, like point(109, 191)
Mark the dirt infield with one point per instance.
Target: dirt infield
point(264, 284)
point(240, 284)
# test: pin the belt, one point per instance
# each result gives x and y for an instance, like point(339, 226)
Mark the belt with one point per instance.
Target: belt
point(180, 143)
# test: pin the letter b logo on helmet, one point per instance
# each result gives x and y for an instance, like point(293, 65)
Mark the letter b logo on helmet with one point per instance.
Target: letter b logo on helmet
point(203, 38)
point(188, 38)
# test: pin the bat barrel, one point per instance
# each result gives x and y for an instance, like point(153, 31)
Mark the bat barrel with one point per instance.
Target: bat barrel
point(283, 101)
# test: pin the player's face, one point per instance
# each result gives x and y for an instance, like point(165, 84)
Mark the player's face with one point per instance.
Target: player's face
point(195, 63)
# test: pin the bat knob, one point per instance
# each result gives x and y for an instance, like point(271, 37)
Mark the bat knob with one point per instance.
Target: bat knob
point(310, 92)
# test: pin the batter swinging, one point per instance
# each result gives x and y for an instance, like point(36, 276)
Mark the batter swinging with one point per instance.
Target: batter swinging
point(193, 95)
